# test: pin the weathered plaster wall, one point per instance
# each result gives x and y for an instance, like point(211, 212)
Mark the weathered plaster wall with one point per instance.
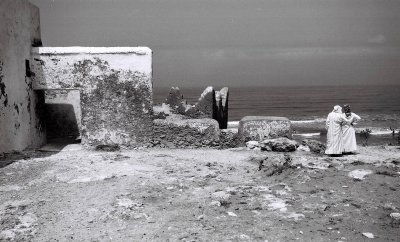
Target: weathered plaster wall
point(20, 106)
point(115, 89)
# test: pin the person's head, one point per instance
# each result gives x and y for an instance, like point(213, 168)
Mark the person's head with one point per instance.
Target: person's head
point(347, 109)
point(337, 109)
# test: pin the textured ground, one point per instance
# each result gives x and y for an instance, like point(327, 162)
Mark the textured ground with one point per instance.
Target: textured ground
point(199, 195)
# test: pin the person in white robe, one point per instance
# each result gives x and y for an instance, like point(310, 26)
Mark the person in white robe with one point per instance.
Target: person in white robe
point(334, 139)
point(349, 134)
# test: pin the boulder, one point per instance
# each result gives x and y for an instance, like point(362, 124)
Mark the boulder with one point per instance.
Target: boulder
point(206, 103)
point(315, 146)
point(221, 109)
point(264, 127)
point(175, 101)
point(279, 144)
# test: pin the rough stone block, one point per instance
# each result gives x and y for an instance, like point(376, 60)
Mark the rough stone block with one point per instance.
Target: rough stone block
point(264, 127)
point(115, 85)
point(221, 109)
point(206, 103)
point(175, 101)
point(279, 145)
point(174, 131)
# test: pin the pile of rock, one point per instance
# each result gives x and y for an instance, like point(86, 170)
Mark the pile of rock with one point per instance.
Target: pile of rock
point(283, 144)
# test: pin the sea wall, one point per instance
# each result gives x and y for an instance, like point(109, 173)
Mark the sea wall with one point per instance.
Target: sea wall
point(115, 87)
point(20, 106)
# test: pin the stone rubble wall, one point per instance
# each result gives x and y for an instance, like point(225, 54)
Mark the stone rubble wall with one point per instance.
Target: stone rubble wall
point(21, 108)
point(177, 132)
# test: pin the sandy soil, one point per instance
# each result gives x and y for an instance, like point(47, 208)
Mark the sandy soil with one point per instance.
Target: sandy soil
point(199, 195)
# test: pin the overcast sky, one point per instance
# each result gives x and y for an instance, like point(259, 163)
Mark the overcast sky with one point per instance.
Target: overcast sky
point(240, 42)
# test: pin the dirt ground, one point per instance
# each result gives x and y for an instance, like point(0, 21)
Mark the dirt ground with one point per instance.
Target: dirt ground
point(199, 195)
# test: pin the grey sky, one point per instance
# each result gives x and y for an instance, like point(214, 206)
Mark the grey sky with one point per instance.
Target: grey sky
point(240, 42)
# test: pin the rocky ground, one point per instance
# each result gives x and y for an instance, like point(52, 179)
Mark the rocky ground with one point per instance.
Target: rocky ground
point(200, 195)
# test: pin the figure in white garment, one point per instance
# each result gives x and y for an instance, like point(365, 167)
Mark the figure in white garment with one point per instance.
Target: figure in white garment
point(334, 138)
point(349, 134)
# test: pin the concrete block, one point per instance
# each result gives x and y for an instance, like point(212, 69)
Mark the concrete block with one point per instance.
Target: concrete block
point(264, 127)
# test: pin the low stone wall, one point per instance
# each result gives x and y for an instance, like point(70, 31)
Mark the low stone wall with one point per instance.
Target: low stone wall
point(115, 89)
point(175, 132)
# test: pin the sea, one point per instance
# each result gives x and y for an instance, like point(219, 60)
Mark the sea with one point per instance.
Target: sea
point(308, 106)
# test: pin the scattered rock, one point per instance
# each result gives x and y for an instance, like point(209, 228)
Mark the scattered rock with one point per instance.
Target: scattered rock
point(216, 203)
point(221, 196)
point(232, 214)
point(277, 165)
point(303, 148)
point(368, 235)
point(395, 216)
point(359, 174)
point(252, 144)
point(108, 148)
point(279, 144)
point(314, 146)
point(386, 171)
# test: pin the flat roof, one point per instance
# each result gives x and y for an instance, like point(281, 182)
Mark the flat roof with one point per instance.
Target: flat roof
point(140, 50)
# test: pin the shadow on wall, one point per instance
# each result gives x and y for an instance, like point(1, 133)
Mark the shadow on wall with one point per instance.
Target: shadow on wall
point(61, 121)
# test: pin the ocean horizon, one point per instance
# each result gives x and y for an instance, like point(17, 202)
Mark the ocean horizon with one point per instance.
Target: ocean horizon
point(308, 106)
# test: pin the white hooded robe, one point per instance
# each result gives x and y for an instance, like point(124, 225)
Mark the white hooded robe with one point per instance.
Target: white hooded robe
point(349, 134)
point(334, 139)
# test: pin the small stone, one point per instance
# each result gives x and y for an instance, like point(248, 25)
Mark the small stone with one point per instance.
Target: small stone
point(368, 235)
point(303, 148)
point(395, 216)
point(216, 203)
point(359, 174)
point(221, 196)
point(232, 214)
point(252, 144)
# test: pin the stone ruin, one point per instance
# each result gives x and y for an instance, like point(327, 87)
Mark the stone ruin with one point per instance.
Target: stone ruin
point(102, 94)
point(203, 124)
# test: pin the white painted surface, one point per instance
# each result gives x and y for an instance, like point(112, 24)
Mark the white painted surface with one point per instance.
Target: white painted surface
point(19, 124)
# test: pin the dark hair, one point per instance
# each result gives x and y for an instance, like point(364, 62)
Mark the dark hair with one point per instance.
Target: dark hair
point(346, 108)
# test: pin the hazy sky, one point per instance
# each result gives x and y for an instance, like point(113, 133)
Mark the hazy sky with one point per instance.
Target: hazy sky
point(240, 42)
